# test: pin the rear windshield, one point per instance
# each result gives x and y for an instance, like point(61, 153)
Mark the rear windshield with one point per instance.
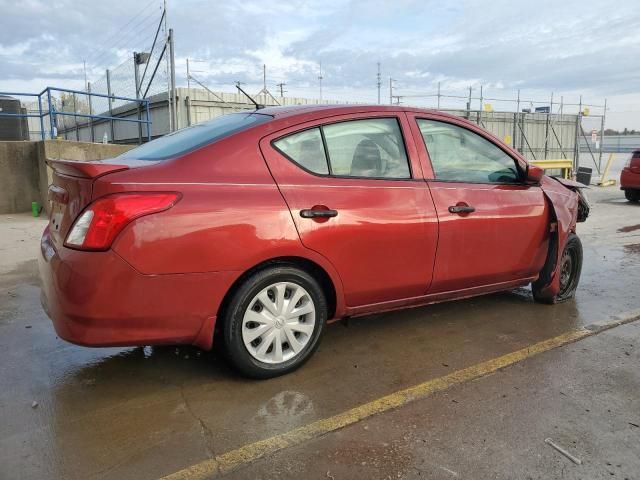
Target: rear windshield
point(196, 136)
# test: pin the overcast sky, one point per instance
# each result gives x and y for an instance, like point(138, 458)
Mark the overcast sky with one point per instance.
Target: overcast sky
point(568, 48)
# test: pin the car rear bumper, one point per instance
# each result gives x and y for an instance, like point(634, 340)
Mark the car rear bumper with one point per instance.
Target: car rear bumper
point(629, 179)
point(98, 299)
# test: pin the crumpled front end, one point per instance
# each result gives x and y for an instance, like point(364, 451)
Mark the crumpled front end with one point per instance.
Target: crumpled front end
point(568, 207)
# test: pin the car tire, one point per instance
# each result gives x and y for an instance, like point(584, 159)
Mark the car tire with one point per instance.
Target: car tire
point(261, 307)
point(632, 195)
point(570, 269)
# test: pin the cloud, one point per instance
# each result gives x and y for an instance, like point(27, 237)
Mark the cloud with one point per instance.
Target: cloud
point(566, 47)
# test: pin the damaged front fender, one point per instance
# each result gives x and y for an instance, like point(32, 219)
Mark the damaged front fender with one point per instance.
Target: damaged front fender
point(568, 206)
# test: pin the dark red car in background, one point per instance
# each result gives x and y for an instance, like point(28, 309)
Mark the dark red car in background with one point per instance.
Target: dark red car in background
point(630, 177)
point(259, 227)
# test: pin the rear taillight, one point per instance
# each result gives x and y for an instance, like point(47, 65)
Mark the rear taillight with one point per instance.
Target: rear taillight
point(101, 222)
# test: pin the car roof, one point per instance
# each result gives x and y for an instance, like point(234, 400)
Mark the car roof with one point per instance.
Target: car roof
point(329, 110)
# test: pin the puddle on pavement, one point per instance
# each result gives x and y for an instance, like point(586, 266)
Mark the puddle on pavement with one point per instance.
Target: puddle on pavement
point(628, 229)
point(126, 401)
point(633, 248)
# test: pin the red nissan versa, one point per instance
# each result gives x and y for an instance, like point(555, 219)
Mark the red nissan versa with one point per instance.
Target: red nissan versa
point(630, 177)
point(261, 226)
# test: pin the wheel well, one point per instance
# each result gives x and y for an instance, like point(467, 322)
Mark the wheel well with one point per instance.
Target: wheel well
point(312, 268)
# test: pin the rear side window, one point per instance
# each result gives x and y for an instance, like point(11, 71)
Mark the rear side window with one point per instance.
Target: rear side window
point(305, 148)
point(196, 136)
point(369, 148)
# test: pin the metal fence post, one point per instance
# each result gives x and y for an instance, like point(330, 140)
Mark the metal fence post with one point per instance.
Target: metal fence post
point(148, 122)
point(41, 116)
point(51, 119)
point(602, 120)
point(562, 124)
point(514, 144)
point(576, 150)
point(110, 100)
point(136, 79)
point(172, 64)
point(546, 130)
point(479, 118)
point(75, 119)
point(90, 112)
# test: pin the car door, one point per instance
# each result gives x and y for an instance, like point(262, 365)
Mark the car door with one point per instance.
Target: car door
point(356, 194)
point(493, 226)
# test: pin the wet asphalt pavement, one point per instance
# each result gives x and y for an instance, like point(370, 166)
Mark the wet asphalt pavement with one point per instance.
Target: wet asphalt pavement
point(141, 413)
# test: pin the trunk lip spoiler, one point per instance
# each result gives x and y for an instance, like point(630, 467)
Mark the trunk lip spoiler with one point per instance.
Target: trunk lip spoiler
point(94, 168)
point(80, 169)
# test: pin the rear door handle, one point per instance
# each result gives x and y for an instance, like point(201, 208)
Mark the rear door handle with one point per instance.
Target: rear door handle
point(461, 209)
point(316, 213)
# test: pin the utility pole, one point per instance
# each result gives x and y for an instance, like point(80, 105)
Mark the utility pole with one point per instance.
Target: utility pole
point(379, 83)
point(281, 86)
point(84, 64)
point(264, 90)
point(188, 94)
point(264, 77)
point(136, 74)
point(391, 80)
point(320, 81)
point(110, 101)
point(172, 62)
point(188, 77)
point(168, 67)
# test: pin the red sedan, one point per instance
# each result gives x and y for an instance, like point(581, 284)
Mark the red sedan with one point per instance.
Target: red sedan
point(257, 228)
point(630, 177)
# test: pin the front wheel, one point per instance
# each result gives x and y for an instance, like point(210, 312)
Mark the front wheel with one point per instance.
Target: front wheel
point(274, 322)
point(632, 195)
point(570, 269)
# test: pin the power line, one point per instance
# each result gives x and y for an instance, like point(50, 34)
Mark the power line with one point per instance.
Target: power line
point(124, 38)
point(117, 33)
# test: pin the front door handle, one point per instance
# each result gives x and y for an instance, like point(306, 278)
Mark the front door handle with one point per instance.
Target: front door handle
point(461, 209)
point(318, 213)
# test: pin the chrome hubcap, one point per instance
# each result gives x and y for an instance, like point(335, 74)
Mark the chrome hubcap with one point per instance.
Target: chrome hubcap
point(278, 322)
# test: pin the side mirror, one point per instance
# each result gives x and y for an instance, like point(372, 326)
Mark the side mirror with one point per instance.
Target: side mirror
point(534, 174)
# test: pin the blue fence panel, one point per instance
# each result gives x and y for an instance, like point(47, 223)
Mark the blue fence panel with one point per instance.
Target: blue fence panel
point(55, 114)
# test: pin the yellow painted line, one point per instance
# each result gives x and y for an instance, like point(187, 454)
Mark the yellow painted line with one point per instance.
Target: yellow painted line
point(234, 459)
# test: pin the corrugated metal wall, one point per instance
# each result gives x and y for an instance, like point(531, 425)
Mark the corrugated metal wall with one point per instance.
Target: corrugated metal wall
point(536, 135)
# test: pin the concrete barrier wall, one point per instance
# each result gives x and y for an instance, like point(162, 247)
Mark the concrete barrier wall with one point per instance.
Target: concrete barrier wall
point(25, 176)
point(19, 176)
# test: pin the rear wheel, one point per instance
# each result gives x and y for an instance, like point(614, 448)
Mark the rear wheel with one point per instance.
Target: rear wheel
point(570, 269)
point(632, 195)
point(274, 322)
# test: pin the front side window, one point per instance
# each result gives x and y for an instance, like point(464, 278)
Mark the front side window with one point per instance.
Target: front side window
point(460, 155)
point(371, 148)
